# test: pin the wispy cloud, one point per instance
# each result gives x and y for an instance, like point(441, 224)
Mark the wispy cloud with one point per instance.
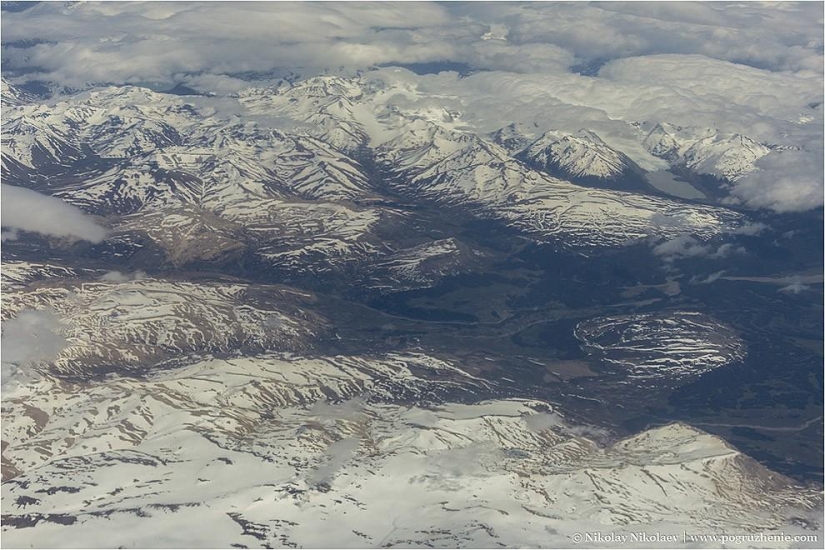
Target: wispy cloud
point(795, 287)
point(335, 457)
point(32, 338)
point(120, 277)
point(712, 278)
point(751, 228)
point(351, 409)
point(685, 246)
point(541, 421)
point(342, 451)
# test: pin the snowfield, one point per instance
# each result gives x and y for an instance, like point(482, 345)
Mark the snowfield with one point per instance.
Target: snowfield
point(283, 450)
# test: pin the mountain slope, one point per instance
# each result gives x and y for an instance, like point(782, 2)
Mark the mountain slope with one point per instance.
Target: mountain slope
point(582, 158)
point(205, 442)
point(119, 325)
point(705, 151)
point(463, 170)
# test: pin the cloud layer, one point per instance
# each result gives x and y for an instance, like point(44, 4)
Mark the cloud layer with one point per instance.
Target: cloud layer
point(113, 42)
point(754, 69)
point(786, 181)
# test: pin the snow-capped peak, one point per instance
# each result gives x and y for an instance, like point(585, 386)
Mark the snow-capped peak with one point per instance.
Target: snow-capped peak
point(583, 155)
point(705, 150)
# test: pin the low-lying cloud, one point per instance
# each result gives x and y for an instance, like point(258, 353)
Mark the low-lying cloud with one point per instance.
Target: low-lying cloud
point(336, 457)
point(31, 339)
point(786, 181)
point(120, 277)
point(26, 210)
point(686, 247)
point(541, 421)
point(472, 460)
point(795, 286)
point(351, 410)
point(712, 278)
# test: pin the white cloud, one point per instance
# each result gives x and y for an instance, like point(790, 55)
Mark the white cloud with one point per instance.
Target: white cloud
point(113, 42)
point(713, 277)
point(336, 456)
point(545, 420)
point(750, 229)
point(752, 69)
point(542, 421)
point(779, 37)
point(786, 181)
point(119, 277)
point(10, 235)
point(31, 338)
point(590, 432)
point(687, 77)
point(27, 210)
point(795, 287)
point(104, 42)
point(685, 247)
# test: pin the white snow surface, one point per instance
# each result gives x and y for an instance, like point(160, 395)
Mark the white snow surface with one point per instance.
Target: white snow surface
point(249, 451)
point(677, 346)
point(255, 168)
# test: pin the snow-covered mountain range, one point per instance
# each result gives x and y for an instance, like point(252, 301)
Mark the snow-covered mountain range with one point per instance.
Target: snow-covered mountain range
point(249, 171)
point(250, 452)
point(191, 398)
point(705, 151)
point(577, 156)
point(136, 324)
